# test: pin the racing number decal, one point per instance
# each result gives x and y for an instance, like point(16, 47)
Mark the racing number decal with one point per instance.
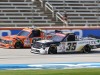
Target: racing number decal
point(71, 46)
point(68, 46)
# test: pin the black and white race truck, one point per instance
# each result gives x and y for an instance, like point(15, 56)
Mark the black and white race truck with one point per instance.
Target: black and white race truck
point(68, 42)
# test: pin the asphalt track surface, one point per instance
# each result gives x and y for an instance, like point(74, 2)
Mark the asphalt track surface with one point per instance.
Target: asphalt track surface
point(24, 56)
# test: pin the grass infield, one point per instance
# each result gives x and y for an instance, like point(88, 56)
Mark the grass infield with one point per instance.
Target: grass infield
point(52, 72)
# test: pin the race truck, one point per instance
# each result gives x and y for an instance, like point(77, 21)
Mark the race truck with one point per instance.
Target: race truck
point(68, 42)
point(23, 39)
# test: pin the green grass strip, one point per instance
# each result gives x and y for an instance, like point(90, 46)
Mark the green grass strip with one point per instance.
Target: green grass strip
point(52, 72)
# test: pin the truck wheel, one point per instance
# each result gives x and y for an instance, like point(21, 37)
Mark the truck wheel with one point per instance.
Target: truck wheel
point(52, 49)
point(86, 49)
point(18, 45)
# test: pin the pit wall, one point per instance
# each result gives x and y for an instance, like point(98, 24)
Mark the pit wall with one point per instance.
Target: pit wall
point(82, 32)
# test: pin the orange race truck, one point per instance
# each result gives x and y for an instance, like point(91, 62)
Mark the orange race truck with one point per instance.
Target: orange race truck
point(23, 39)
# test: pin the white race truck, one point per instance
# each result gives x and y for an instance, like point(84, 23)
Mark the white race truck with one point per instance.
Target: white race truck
point(64, 43)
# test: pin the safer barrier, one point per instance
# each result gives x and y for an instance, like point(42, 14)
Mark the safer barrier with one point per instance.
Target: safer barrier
point(81, 31)
point(51, 65)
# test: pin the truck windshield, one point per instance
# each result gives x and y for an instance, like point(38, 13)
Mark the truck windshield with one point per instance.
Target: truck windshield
point(57, 38)
point(23, 33)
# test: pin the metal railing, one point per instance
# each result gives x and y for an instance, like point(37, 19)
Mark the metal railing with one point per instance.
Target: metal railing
point(49, 7)
point(41, 3)
point(61, 18)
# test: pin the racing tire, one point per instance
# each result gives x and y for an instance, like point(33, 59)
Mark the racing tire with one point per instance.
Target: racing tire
point(18, 45)
point(86, 49)
point(52, 49)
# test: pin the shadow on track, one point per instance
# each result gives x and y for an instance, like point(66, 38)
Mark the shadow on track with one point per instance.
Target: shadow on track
point(71, 53)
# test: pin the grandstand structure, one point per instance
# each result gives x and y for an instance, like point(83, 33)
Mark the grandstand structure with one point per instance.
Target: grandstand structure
point(79, 12)
point(40, 13)
point(21, 13)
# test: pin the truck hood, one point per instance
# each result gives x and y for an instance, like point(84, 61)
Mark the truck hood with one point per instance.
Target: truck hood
point(12, 37)
point(45, 41)
point(49, 42)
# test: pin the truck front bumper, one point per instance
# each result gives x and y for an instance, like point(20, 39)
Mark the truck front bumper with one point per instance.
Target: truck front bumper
point(2, 45)
point(38, 51)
